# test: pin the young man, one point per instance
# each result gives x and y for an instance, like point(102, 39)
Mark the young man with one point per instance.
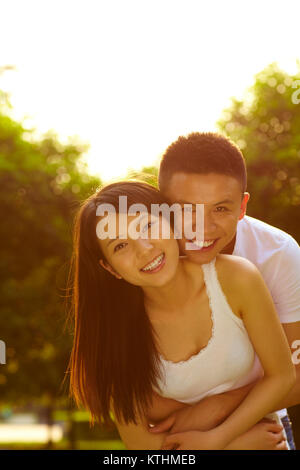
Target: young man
point(209, 169)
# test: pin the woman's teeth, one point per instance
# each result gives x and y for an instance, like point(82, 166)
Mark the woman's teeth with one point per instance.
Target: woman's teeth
point(154, 264)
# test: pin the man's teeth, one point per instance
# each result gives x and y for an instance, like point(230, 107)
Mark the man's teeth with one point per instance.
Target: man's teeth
point(154, 263)
point(204, 244)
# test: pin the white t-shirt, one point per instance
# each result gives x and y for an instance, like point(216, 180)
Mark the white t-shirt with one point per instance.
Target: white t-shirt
point(277, 256)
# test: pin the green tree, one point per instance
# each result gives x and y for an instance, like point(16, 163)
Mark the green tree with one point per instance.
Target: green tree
point(265, 125)
point(42, 184)
point(149, 174)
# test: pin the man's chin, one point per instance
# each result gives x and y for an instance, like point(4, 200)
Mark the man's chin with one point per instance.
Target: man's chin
point(198, 257)
point(201, 255)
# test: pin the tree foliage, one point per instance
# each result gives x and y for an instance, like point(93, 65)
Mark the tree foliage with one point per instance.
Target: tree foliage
point(42, 184)
point(149, 174)
point(265, 125)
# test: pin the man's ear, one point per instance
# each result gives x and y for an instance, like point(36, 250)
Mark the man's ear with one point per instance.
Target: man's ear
point(245, 200)
point(108, 268)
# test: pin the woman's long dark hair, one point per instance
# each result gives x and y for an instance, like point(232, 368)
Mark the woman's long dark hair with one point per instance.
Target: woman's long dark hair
point(114, 358)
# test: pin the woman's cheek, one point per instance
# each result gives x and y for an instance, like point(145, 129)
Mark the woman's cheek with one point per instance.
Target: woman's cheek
point(128, 271)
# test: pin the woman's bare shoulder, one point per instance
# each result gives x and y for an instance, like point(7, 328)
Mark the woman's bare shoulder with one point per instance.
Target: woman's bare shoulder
point(236, 267)
point(238, 278)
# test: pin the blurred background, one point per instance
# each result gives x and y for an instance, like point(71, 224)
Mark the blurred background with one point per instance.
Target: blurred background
point(94, 91)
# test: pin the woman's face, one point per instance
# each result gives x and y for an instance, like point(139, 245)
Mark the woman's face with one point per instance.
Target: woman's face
point(135, 254)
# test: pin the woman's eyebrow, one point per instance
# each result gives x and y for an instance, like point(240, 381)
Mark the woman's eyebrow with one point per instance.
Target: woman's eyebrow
point(180, 201)
point(111, 240)
point(123, 236)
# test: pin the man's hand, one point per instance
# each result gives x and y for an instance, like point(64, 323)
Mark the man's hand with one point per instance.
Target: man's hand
point(265, 435)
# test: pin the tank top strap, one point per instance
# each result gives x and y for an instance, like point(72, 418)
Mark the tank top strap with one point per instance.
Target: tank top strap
point(211, 280)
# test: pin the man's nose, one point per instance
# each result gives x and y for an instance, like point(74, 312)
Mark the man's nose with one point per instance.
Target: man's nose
point(209, 224)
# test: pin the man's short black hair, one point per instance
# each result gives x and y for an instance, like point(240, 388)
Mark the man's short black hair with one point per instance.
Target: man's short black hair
point(203, 153)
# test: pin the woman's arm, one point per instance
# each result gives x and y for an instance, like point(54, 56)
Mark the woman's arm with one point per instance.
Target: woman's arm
point(270, 343)
point(137, 436)
point(268, 339)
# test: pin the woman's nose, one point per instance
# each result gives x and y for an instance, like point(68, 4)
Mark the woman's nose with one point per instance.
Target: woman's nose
point(143, 245)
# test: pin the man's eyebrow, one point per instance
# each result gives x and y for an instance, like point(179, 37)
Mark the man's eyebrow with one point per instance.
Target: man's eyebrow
point(226, 201)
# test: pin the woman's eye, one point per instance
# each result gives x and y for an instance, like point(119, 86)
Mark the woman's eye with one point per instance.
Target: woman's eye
point(119, 247)
point(147, 226)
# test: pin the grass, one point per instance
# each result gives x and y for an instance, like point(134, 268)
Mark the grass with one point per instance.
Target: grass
point(64, 445)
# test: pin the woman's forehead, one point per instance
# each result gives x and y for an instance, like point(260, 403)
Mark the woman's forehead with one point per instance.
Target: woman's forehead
point(117, 225)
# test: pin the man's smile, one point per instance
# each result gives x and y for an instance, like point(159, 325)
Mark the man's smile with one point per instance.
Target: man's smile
point(203, 246)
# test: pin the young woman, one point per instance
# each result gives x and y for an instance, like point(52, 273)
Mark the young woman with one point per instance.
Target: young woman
point(150, 323)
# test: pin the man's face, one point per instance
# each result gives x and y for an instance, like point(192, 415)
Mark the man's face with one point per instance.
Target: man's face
point(224, 206)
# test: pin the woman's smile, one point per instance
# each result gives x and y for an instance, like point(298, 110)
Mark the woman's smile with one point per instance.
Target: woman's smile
point(155, 265)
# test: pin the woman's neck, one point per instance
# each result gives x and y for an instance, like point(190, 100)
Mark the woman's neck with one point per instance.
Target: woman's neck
point(173, 296)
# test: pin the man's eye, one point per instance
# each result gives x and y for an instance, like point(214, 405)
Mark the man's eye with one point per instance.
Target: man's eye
point(221, 209)
point(119, 247)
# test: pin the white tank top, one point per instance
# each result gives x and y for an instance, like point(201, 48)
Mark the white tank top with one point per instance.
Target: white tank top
point(227, 362)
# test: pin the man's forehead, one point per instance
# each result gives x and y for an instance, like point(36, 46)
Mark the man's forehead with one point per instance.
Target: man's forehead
point(203, 189)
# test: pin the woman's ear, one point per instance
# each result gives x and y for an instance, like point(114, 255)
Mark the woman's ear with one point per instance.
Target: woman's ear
point(108, 268)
